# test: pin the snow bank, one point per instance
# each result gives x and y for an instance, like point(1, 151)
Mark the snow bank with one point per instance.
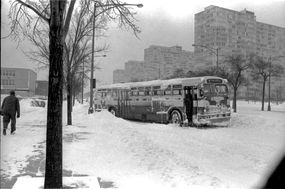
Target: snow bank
point(147, 155)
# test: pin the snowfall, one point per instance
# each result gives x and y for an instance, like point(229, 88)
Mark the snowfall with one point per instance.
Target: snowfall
point(131, 154)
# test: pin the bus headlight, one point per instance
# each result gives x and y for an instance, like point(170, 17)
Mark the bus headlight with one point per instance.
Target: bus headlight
point(229, 109)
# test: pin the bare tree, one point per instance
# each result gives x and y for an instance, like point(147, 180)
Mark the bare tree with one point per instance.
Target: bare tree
point(233, 70)
point(53, 18)
point(78, 48)
point(178, 73)
point(27, 16)
point(263, 68)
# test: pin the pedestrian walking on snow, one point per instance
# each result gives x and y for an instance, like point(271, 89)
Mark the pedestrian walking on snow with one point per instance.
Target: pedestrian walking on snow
point(10, 108)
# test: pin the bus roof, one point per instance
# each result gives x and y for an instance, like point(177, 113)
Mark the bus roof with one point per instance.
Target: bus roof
point(192, 81)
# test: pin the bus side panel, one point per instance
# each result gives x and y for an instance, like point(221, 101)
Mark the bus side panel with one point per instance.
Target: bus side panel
point(123, 104)
point(140, 107)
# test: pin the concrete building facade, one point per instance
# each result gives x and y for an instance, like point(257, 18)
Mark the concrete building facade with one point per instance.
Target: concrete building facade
point(234, 32)
point(237, 32)
point(22, 80)
point(119, 76)
point(161, 62)
point(41, 88)
point(135, 70)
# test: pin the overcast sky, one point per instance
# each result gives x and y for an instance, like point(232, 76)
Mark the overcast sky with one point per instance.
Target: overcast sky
point(162, 22)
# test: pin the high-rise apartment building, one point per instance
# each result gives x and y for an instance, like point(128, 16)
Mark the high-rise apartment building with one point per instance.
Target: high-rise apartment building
point(234, 32)
point(134, 70)
point(119, 76)
point(221, 32)
point(161, 62)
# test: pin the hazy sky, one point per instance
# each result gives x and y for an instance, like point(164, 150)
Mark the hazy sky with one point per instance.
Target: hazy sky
point(162, 22)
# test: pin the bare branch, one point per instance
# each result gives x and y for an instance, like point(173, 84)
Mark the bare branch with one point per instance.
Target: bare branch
point(33, 9)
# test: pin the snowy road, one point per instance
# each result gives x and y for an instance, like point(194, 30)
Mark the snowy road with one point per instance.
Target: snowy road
point(147, 155)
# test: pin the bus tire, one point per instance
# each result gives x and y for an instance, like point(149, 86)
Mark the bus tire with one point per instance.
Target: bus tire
point(112, 110)
point(175, 117)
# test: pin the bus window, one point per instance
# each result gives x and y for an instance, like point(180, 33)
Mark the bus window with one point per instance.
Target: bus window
point(114, 94)
point(207, 88)
point(103, 94)
point(221, 88)
point(141, 91)
point(201, 93)
point(97, 95)
point(177, 89)
point(147, 91)
point(156, 90)
point(134, 91)
point(167, 91)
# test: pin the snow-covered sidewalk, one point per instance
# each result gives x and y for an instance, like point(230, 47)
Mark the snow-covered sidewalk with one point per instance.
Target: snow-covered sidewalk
point(127, 154)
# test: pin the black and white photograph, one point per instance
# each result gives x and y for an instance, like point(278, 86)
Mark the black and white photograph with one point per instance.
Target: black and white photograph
point(142, 94)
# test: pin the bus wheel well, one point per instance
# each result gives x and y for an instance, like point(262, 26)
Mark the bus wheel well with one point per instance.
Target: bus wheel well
point(175, 111)
point(113, 110)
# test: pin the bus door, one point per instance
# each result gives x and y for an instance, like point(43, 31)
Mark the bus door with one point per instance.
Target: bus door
point(189, 97)
point(123, 103)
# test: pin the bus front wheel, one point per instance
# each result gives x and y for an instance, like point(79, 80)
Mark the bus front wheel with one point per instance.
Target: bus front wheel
point(112, 111)
point(175, 117)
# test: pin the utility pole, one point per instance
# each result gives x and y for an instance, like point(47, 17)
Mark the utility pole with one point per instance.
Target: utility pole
point(269, 83)
point(91, 110)
point(212, 50)
point(82, 83)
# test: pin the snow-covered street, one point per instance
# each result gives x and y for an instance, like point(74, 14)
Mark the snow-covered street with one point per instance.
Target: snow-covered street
point(128, 154)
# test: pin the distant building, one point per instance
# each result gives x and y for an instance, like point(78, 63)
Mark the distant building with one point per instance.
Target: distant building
point(119, 76)
point(22, 80)
point(134, 70)
point(236, 32)
point(161, 62)
point(41, 88)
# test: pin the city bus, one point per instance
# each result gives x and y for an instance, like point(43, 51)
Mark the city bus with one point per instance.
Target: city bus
point(181, 101)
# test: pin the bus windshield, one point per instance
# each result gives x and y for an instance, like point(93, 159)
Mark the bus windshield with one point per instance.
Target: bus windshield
point(215, 88)
point(221, 88)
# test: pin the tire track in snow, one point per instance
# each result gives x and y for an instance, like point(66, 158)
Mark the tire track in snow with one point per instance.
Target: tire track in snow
point(169, 167)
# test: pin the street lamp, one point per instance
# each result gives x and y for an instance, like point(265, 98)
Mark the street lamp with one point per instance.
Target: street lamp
point(82, 88)
point(213, 50)
point(269, 80)
point(90, 110)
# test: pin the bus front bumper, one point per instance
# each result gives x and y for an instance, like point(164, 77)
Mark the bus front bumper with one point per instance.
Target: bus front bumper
point(222, 120)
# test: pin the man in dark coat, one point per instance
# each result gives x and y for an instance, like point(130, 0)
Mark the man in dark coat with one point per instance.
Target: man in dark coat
point(10, 107)
point(188, 101)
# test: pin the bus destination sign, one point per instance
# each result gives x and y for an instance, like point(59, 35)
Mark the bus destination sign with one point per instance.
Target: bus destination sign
point(214, 81)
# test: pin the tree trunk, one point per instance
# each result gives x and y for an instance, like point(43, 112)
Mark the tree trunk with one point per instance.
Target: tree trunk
point(263, 94)
point(53, 169)
point(73, 97)
point(235, 100)
point(69, 99)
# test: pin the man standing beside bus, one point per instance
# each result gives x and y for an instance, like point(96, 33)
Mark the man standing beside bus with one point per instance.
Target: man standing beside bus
point(188, 101)
point(10, 107)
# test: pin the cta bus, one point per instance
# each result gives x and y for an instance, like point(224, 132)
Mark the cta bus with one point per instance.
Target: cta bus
point(182, 101)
